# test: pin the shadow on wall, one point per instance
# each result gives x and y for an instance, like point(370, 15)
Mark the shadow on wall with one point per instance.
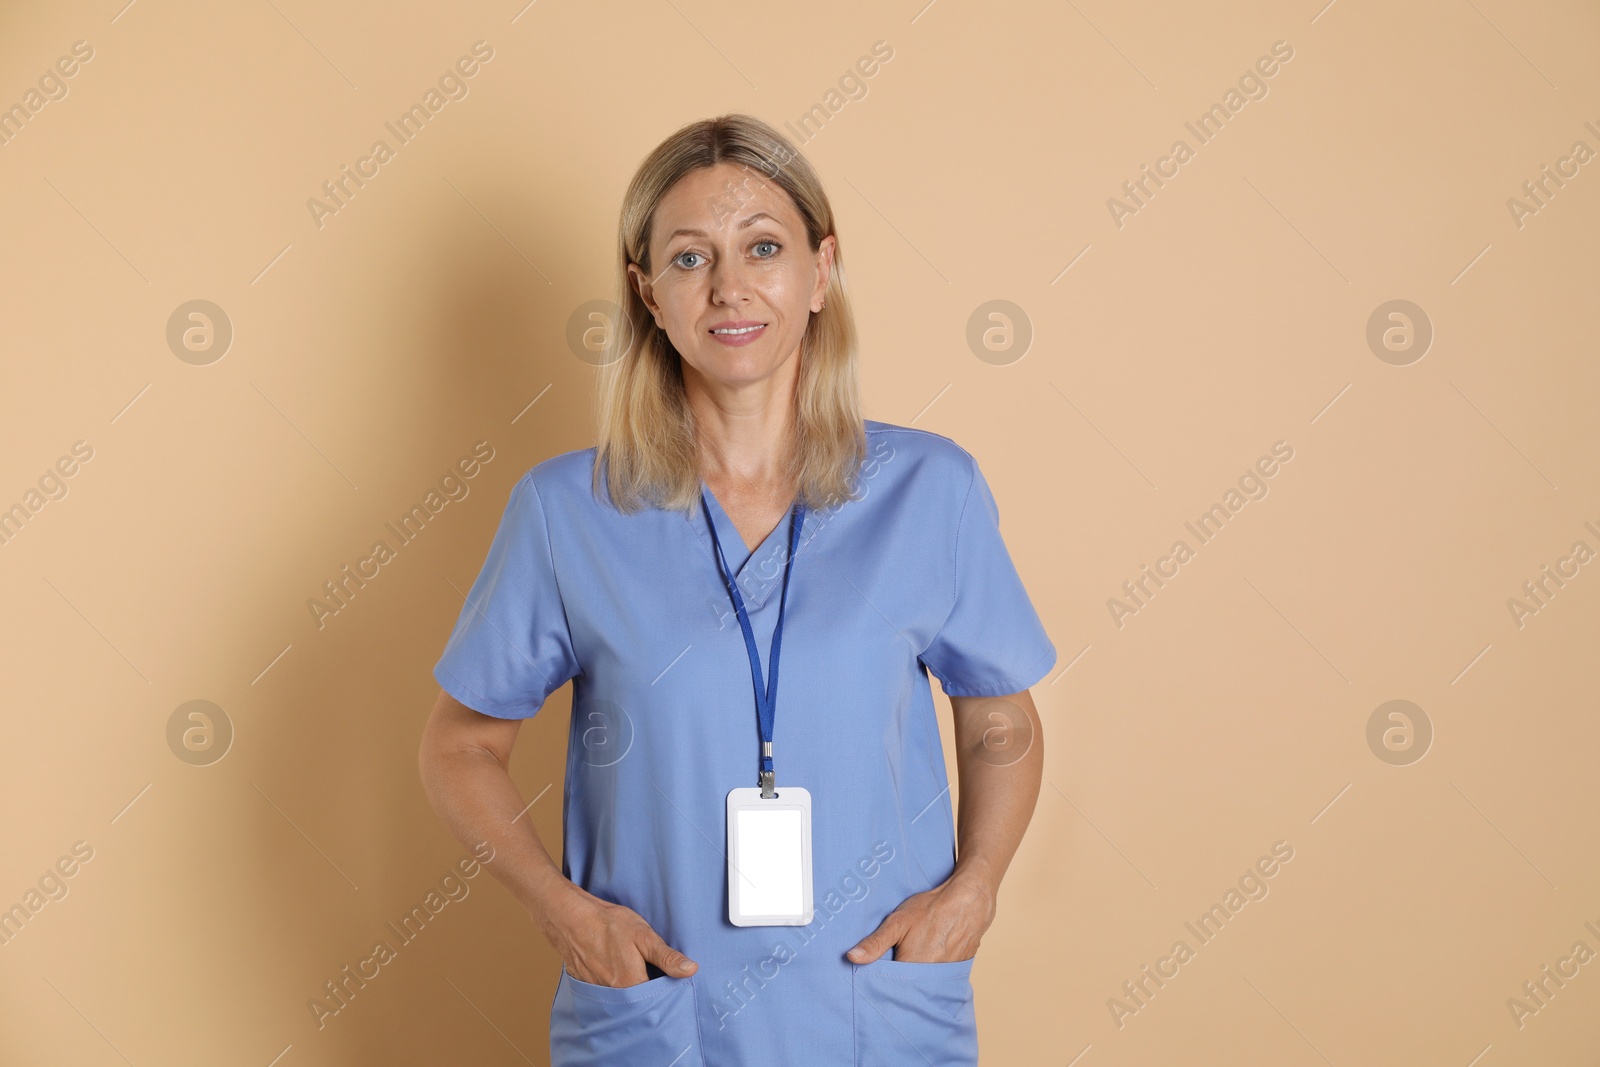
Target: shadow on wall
point(386, 928)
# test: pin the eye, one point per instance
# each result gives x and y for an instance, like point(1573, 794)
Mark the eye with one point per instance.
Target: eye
point(678, 259)
point(775, 246)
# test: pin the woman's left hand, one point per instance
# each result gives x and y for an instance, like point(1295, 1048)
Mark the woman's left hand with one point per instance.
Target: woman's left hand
point(940, 925)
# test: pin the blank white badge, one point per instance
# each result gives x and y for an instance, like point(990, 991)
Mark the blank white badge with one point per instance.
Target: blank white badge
point(769, 857)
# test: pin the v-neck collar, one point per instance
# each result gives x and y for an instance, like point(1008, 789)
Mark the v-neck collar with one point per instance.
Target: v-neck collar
point(757, 573)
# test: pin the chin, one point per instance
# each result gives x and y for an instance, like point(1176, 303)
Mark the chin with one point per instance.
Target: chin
point(730, 364)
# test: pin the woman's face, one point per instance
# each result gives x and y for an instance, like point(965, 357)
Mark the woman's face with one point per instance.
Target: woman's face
point(729, 251)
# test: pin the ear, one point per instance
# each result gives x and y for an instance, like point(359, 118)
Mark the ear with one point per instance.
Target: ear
point(825, 250)
point(641, 285)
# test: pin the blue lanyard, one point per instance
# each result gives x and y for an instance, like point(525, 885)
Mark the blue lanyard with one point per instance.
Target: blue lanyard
point(766, 695)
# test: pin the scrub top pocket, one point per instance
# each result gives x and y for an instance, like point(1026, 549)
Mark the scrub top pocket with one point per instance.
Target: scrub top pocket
point(608, 1026)
point(914, 1014)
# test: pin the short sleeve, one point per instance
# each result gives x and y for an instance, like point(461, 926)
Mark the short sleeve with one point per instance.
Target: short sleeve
point(511, 648)
point(992, 642)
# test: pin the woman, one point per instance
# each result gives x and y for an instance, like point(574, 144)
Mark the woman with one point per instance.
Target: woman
point(736, 484)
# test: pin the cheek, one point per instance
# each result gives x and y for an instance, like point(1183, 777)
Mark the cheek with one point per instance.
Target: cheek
point(784, 286)
point(680, 297)
point(682, 307)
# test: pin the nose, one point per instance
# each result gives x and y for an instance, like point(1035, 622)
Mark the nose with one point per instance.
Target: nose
point(728, 284)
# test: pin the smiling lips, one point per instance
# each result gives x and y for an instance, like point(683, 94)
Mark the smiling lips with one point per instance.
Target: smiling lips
point(738, 333)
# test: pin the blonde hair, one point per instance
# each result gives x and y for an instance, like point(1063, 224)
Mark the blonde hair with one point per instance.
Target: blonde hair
point(647, 449)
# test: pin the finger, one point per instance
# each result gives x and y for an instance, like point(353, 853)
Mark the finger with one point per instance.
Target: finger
point(875, 944)
point(669, 959)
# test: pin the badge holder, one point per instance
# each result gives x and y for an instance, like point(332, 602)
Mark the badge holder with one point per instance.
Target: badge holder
point(769, 857)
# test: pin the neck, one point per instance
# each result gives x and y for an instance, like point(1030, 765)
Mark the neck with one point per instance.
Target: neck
point(744, 429)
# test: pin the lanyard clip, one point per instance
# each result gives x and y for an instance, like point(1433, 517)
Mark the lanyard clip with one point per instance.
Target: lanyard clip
point(764, 776)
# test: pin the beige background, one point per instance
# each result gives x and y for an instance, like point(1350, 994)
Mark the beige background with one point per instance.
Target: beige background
point(1230, 312)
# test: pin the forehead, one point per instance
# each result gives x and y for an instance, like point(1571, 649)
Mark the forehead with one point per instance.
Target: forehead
point(714, 200)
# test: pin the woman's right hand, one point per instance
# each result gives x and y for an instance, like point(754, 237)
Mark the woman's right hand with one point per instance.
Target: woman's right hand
point(604, 943)
point(463, 760)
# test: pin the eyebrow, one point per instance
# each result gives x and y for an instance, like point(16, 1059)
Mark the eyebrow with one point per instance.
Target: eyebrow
point(751, 221)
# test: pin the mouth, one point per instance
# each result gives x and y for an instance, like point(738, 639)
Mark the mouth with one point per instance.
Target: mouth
point(737, 334)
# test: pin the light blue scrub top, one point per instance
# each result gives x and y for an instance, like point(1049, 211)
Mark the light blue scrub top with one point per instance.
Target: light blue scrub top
point(911, 578)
